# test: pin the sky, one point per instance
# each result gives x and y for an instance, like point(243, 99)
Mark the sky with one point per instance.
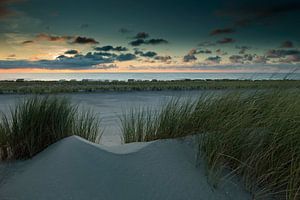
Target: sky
point(149, 36)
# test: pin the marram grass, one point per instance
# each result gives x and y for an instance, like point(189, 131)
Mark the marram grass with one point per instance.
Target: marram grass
point(256, 135)
point(37, 122)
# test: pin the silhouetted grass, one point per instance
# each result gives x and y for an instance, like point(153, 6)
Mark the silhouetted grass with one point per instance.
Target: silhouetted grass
point(254, 134)
point(38, 122)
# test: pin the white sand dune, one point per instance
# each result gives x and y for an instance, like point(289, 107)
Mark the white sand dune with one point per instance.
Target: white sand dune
point(76, 169)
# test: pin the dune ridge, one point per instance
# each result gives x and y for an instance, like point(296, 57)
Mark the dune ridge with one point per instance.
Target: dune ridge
point(77, 169)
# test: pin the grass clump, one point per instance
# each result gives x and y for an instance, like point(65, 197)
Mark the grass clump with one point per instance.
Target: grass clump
point(255, 135)
point(146, 124)
point(37, 122)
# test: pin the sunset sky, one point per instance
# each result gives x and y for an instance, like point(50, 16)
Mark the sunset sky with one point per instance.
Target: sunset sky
point(152, 36)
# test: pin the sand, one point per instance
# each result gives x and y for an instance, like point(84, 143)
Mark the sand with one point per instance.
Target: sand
point(76, 169)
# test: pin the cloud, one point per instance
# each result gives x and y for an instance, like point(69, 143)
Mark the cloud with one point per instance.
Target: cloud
point(214, 59)
point(71, 52)
point(91, 60)
point(141, 35)
point(28, 42)
point(126, 57)
point(287, 44)
point(149, 54)
point(156, 41)
point(111, 48)
point(190, 56)
point(226, 41)
point(78, 62)
point(222, 31)
point(204, 51)
point(236, 59)
point(84, 40)
point(163, 58)
point(139, 42)
point(248, 59)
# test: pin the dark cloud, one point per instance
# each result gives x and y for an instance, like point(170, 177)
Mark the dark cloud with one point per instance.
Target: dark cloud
point(248, 59)
point(190, 56)
point(156, 41)
point(287, 44)
point(149, 54)
point(84, 40)
point(66, 38)
point(222, 31)
point(111, 48)
point(126, 57)
point(226, 41)
point(141, 35)
point(71, 52)
point(163, 58)
point(28, 42)
point(214, 59)
point(204, 51)
point(139, 42)
point(106, 54)
point(78, 62)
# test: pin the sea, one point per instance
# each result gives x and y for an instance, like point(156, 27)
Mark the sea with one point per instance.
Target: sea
point(147, 76)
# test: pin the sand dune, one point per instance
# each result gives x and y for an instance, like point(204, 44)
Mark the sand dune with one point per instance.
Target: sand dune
point(76, 169)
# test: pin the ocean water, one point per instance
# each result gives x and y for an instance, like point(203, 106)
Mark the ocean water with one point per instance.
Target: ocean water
point(147, 76)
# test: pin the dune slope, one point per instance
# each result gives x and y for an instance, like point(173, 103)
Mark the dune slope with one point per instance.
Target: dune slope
point(75, 169)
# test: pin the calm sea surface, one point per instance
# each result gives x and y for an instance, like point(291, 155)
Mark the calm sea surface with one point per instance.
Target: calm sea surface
point(147, 76)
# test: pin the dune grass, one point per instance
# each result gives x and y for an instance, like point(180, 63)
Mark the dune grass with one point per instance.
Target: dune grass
point(37, 122)
point(256, 135)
